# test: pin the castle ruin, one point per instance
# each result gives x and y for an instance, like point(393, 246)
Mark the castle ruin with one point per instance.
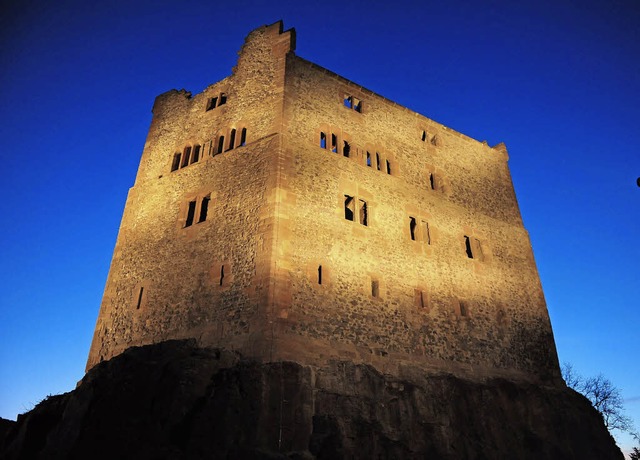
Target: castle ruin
point(292, 215)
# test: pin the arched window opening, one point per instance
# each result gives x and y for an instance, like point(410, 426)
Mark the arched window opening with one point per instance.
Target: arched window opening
point(243, 137)
point(232, 139)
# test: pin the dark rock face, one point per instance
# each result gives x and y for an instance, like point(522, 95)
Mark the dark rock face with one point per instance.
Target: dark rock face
point(175, 401)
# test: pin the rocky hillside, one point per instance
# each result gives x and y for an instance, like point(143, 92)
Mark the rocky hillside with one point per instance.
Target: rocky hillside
point(175, 401)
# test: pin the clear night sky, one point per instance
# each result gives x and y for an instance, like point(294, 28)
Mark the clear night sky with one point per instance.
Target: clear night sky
point(557, 81)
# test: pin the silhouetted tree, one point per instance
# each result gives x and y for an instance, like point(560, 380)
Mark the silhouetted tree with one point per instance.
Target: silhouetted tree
point(603, 395)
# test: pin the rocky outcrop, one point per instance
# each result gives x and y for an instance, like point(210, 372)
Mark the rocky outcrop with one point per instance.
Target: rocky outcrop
point(176, 401)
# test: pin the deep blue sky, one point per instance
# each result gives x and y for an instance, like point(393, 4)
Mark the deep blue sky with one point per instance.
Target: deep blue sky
point(557, 81)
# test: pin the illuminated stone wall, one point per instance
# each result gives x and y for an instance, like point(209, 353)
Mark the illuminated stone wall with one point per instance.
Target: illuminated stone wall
point(456, 290)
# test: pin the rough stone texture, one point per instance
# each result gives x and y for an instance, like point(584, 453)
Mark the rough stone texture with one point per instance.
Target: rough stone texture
point(176, 401)
point(277, 215)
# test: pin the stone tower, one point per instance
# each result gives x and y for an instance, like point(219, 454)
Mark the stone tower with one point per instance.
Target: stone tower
point(290, 214)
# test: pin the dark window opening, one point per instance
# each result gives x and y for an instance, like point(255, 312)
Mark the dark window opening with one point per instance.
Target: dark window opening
point(346, 149)
point(348, 102)
point(334, 143)
point(467, 245)
point(323, 140)
point(368, 159)
point(223, 99)
point(220, 144)
point(378, 161)
point(243, 137)
point(186, 156)
point(190, 214)
point(196, 154)
point(421, 299)
point(432, 181)
point(364, 218)
point(463, 308)
point(424, 136)
point(412, 228)
point(232, 139)
point(212, 103)
point(388, 167)
point(139, 298)
point(349, 207)
point(204, 208)
point(221, 274)
point(176, 162)
point(319, 274)
point(427, 232)
point(375, 288)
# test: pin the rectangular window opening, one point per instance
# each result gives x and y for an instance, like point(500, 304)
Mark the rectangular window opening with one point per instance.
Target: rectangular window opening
point(375, 288)
point(191, 212)
point(427, 232)
point(349, 208)
point(323, 140)
point(220, 144)
point(212, 103)
point(377, 161)
point(176, 162)
point(223, 99)
point(196, 154)
point(463, 308)
point(368, 159)
point(221, 274)
point(232, 139)
point(348, 101)
point(346, 149)
point(432, 181)
point(186, 156)
point(204, 209)
point(421, 299)
point(334, 143)
point(357, 105)
point(424, 136)
point(320, 274)
point(412, 228)
point(364, 213)
point(243, 137)
point(388, 167)
point(467, 245)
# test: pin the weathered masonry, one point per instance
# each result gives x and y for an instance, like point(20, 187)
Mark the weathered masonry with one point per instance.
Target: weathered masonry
point(290, 214)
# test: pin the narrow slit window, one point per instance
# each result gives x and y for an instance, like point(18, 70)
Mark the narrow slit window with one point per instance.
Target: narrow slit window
point(464, 311)
point(377, 161)
point(334, 143)
point(223, 99)
point(349, 207)
point(426, 232)
point(368, 159)
point(176, 162)
point(421, 299)
point(364, 213)
point(232, 139)
point(432, 181)
point(375, 288)
point(139, 303)
point(319, 274)
point(388, 167)
point(220, 144)
point(323, 140)
point(196, 154)
point(212, 103)
point(221, 274)
point(346, 149)
point(467, 246)
point(185, 157)
point(191, 212)
point(204, 209)
point(243, 137)
point(424, 136)
point(412, 228)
